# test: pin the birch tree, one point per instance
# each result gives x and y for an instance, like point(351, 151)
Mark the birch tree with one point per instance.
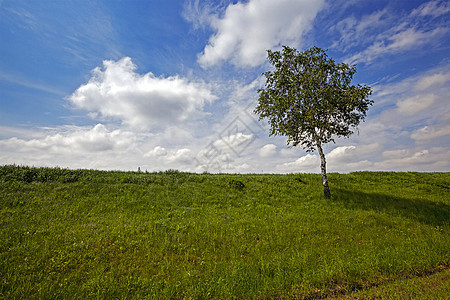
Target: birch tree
point(309, 98)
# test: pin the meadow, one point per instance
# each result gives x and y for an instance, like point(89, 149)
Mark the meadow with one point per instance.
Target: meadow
point(88, 234)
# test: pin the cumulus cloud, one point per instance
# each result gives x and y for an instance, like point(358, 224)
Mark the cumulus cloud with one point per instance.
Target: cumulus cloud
point(268, 150)
point(340, 159)
point(156, 152)
point(246, 30)
point(411, 125)
point(180, 156)
point(305, 162)
point(433, 159)
point(142, 101)
point(342, 153)
point(73, 139)
point(73, 146)
point(414, 102)
point(336, 159)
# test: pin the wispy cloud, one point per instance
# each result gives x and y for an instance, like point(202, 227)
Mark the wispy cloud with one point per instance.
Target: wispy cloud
point(354, 32)
point(81, 32)
point(427, 133)
point(400, 41)
point(31, 85)
point(201, 13)
point(433, 8)
point(21, 18)
point(435, 80)
point(384, 32)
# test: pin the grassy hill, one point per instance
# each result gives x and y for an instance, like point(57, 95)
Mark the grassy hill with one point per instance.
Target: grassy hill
point(94, 234)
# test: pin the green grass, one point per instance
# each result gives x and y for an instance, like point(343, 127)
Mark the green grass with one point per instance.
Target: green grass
point(432, 286)
point(83, 234)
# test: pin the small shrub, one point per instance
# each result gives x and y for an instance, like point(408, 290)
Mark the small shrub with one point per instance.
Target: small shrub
point(126, 179)
point(172, 172)
point(29, 175)
point(236, 184)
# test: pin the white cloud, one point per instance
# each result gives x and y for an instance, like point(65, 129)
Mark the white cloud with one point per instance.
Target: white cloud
point(268, 150)
point(433, 159)
point(305, 162)
point(288, 151)
point(199, 14)
point(7, 132)
point(74, 147)
point(240, 168)
point(340, 159)
point(417, 101)
point(160, 155)
point(95, 147)
point(407, 128)
point(341, 153)
point(386, 32)
point(430, 132)
point(433, 80)
point(409, 38)
point(247, 30)
point(396, 154)
point(156, 152)
point(73, 140)
point(432, 8)
point(397, 42)
point(181, 156)
point(141, 101)
point(344, 158)
point(234, 142)
point(410, 126)
point(221, 154)
point(416, 104)
point(353, 31)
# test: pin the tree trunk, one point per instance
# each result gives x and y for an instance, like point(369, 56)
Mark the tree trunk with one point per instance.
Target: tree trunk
point(323, 169)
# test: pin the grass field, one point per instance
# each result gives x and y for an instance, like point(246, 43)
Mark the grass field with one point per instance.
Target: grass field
point(85, 234)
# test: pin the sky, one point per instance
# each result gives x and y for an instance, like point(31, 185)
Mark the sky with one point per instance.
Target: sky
point(172, 84)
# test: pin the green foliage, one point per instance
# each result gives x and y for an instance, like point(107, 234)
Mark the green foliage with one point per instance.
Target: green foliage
point(237, 184)
point(29, 174)
point(309, 98)
point(176, 235)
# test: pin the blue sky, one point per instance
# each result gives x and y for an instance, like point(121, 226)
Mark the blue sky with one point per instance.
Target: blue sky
point(171, 84)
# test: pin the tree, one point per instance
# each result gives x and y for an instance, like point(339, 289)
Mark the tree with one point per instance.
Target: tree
point(309, 98)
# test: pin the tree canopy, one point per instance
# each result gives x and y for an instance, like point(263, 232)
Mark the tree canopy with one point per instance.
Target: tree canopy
point(309, 98)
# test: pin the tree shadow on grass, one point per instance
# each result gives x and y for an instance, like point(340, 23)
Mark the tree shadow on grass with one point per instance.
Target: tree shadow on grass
point(427, 212)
